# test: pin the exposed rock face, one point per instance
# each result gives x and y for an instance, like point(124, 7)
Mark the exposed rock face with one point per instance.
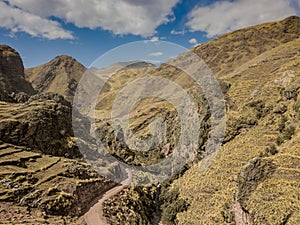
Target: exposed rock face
point(253, 173)
point(61, 75)
point(43, 123)
point(12, 79)
point(38, 184)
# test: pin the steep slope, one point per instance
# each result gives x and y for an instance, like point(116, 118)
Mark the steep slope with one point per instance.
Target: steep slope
point(43, 189)
point(61, 75)
point(43, 179)
point(256, 62)
point(229, 51)
point(12, 80)
point(145, 110)
point(42, 123)
point(256, 173)
point(253, 179)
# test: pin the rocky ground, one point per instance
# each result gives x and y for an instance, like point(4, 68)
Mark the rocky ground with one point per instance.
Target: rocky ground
point(253, 179)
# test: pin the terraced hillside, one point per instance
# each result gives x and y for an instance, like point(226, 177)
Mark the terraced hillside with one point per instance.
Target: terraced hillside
point(36, 176)
point(43, 179)
point(44, 189)
point(226, 53)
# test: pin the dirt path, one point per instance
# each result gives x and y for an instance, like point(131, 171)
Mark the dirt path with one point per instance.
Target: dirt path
point(95, 214)
point(240, 217)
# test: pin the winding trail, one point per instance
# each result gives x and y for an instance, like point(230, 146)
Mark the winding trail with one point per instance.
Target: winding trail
point(95, 214)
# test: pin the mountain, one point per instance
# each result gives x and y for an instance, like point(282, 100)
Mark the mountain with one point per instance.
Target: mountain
point(254, 178)
point(226, 53)
point(61, 75)
point(43, 178)
point(12, 80)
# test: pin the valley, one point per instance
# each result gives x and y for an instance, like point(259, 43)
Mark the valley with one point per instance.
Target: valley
point(51, 175)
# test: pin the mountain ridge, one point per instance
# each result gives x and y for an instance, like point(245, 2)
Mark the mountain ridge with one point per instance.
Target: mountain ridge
point(228, 51)
point(257, 164)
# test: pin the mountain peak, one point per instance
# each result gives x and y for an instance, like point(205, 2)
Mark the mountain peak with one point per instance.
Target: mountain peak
point(60, 75)
point(63, 59)
point(292, 18)
point(7, 48)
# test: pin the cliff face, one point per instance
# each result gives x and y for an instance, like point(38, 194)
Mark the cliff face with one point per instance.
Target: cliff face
point(43, 123)
point(12, 79)
point(61, 75)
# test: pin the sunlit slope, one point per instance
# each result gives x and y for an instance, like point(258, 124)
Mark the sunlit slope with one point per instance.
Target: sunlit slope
point(228, 52)
point(263, 122)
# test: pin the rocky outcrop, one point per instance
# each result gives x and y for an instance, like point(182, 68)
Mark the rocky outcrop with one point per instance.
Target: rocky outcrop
point(12, 78)
point(61, 75)
point(43, 123)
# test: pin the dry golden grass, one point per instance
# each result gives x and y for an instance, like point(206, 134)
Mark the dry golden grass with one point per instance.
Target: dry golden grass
point(277, 198)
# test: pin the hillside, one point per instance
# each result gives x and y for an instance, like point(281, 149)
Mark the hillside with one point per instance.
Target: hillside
point(43, 177)
point(255, 175)
point(226, 53)
point(253, 179)
point(261, 119)
point(61, 75)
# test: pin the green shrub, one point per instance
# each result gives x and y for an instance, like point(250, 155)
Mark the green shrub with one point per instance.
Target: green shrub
point(269, 151)
point(282, 122)
point(289, 132)
point(172, 204)
point(227, 213)
point(279, 140)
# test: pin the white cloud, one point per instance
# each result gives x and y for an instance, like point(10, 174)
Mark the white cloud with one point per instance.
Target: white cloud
point(193, 41)
point(138, 17)
point(224, 16)
point(17, 20)
point(156, 54)
point(177, 32)
point(154, 39)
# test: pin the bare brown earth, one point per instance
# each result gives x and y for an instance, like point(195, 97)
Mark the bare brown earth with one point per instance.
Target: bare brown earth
point(240, 217)
point(95, 214)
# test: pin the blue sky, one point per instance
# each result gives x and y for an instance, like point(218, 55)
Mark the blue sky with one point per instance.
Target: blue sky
point(85, 29)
